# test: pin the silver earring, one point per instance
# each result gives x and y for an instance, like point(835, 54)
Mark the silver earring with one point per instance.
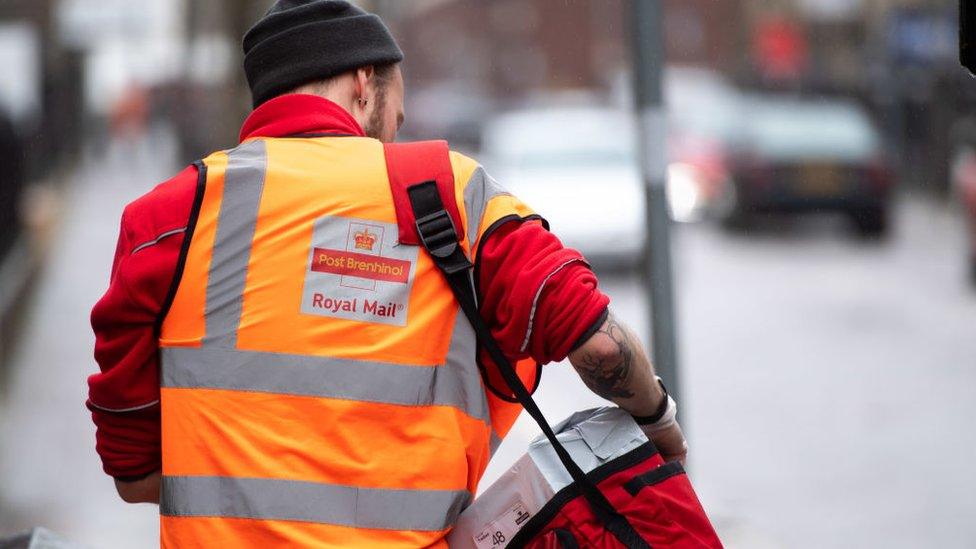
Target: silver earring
point(362, 101)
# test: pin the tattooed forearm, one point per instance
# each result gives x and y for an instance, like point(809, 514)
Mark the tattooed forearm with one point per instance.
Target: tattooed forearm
point(607, 366)
point(613, 364)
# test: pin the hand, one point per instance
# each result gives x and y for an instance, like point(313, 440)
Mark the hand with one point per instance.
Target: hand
point(669, 440)
point(145, 490)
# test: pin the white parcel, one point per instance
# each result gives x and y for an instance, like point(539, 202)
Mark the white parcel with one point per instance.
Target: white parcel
point(592, 437)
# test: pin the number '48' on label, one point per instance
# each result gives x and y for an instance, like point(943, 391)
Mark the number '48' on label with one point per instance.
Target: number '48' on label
point(499, 532)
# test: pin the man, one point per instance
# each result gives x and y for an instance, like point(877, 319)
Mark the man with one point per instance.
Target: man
point(277, 369)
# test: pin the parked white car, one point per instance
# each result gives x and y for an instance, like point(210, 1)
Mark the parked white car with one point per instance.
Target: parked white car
point(576, 167)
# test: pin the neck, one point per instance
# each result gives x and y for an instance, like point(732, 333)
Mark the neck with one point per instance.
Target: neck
point(340, 91)
point(293, 114)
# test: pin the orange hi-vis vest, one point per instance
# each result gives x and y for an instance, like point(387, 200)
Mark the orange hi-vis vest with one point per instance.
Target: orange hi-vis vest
point(319, 385)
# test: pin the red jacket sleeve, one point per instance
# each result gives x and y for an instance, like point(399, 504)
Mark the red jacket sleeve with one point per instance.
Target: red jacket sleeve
point(538, 297)
point(124, 396)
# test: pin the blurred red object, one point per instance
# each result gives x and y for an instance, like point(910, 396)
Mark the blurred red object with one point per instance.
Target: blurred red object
point(780, 49)
point(130, 113)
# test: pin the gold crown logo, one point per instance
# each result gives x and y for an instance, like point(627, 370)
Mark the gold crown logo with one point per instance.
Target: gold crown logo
point(365, 240)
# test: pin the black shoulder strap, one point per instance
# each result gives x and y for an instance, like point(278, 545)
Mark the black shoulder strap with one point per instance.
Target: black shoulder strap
point(440, 238)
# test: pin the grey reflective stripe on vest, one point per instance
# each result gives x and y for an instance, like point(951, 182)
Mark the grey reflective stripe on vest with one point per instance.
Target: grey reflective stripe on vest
point(462, 370)
point(455, 383)
point(481, 188)
point(274, 499)
point(243, 186)
point(494, 443)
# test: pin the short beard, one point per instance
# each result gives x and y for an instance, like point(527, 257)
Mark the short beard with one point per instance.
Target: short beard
point(374, 126)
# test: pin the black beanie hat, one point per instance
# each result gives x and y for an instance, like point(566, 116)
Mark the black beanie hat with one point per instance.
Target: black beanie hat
point(298, 41)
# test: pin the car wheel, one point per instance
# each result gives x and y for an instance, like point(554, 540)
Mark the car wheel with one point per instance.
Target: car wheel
point(737, 221)
point(732, 213)
point(871, 223)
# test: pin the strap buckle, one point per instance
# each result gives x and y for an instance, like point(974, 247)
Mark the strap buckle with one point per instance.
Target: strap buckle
point(438, 233)
point(440, 237)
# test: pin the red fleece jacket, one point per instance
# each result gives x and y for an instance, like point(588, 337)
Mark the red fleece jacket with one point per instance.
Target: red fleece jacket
point(521, 266)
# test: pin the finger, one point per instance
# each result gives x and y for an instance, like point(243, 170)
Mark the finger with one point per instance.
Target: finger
point(680, 457)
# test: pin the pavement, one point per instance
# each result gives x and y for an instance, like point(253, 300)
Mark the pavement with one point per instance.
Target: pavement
point(827, 382)
point(50, 475)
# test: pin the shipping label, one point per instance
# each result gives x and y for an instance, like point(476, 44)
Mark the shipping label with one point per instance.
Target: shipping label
point(499, 532)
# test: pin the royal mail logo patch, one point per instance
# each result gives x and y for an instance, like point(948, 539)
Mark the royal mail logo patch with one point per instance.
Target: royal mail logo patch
point(357, 271)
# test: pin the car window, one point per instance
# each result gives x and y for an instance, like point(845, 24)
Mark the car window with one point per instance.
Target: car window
point(786, 129)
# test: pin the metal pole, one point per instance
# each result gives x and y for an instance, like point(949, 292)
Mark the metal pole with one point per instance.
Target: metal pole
point(648, 58)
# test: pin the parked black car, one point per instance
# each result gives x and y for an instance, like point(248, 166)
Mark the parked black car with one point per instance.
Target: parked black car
point(808, 156)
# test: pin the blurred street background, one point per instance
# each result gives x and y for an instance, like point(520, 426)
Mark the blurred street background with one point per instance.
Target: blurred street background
point(821, 162)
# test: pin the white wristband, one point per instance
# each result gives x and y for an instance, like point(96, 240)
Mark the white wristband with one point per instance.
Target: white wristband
point(668, 420)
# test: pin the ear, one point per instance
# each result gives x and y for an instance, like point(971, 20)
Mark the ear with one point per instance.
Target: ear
point(363, 76)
